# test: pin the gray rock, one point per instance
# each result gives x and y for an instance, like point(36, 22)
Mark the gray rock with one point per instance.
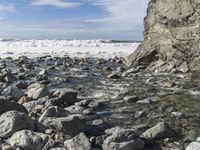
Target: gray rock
point(70, 125)
point(68, 96)
point(8, 106)
point(79, 142)
point(193, 146)
point(37, 91)
point(13, 92)
point(29, 140)
point(75, 109)
point(160, 131)
point(58, 148)
point(124, 139)
point(13, 121)
point(171, 35)
point(53, 112)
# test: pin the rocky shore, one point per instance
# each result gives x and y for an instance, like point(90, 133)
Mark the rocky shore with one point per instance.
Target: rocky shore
point(63, 103)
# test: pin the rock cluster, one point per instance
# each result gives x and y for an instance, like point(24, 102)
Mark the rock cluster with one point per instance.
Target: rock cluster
point(171, 37)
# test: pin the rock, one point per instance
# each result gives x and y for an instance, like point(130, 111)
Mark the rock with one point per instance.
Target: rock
point(160, 131)
point(13, 92)
point(68, 96)
point(58, 148)
point(13, 121)
point(145, 101)
point(79, 142)
point(171, 35)
point(24, 100)
point(29, 140)
point(96, 127)
point(124, 139)
point(193, 146)
point(69, 126)
point(75, 109)
point(37, 91)
point(8, 106)
point(131, 99)
point(114, 76)
point(177, 114)
point(53, 112)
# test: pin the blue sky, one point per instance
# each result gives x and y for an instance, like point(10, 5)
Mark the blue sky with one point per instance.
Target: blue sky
point(72, 19)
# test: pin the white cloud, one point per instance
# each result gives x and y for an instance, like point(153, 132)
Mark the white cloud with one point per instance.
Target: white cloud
point(7, 8)
point(56, 3)
point(122, 14)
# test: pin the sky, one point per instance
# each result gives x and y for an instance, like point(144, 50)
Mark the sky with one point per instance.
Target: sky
point(72, 19)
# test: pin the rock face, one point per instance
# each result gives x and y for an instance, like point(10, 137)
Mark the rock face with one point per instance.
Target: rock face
point(171, 37)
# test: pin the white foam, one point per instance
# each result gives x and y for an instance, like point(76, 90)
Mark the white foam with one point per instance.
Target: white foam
point(73, 48)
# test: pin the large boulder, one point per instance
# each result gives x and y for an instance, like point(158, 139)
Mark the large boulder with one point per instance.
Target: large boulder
point(29, 140)
point(8, 106)
point(13, 121)
point(171, 37)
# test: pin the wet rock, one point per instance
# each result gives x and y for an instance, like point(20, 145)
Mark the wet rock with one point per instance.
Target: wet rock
point(79, 142)
point(8, 106)
point(37, 91)
point(12, 92)
point(68, 96)
point(160, 131)
point(97, 127)
point(13, 121)
point(123, 139)
point(29, 140)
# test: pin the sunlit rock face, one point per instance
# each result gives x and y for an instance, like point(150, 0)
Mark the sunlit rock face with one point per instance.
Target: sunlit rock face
point(171, 37)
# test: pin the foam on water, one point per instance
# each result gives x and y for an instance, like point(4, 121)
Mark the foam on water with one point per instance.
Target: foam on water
point(73, 48)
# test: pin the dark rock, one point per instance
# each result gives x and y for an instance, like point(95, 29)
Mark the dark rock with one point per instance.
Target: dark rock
point(8, 106)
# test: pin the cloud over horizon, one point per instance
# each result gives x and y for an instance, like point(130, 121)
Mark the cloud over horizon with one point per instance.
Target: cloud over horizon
point(80, 19)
